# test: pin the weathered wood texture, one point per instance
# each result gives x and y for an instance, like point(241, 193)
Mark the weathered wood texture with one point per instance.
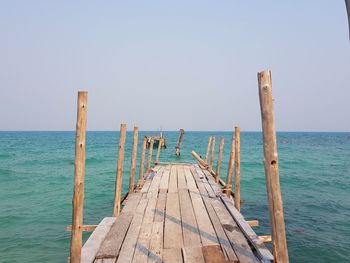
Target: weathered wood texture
point(208, 150)
point(150, 153)
point(231, 164)
point(271, 167)
point(79, 174)
point(133, 160)
point(218, 165)
point(158, 151)
point(179, 140)
point(94, 242)
point(142, 162)
point(237, 189)
point(212, 152)
point(178, 215)
point(118, 180)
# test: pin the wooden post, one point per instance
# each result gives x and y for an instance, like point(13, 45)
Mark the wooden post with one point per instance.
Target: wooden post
point(237, 190)
point(133, 160)
point(208, 149)
point(119, 176)
point(142, 162)
point(179, 140)
point(159, 149)
point(218, 166)
point(271, 168)
point(200, 160)
point(231, 164)
point(150, 152)
point(212, 152)
point(79, 173)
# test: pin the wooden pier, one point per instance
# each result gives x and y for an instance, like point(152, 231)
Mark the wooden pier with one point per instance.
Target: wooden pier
point(179, 215)
point(180, 212)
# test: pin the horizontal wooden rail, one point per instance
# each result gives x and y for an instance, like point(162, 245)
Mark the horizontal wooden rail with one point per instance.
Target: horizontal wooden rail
point(84, 228)
point(253, 223)
point(266, 239)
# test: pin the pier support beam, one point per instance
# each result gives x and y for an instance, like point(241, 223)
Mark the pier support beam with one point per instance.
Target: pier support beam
point(212, 152)
point(271, 168)
point(231, 164)
point(150, 153)
point(79, 174)
point(179, 140)
point(119, 175)
point(133, 160)
point(218, 166)
point(142, 162)
point(208, 150)
point(237, 189)
point(159, 149)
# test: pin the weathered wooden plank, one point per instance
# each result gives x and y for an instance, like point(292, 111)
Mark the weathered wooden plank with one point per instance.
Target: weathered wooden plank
point(190, 231)
point(156, 245)
point(181, 179)
point(129, 244)
point(164, 183)
point(191, 184)
point(263, 253)
point(143, 241)
point(172, 226)
point(95, 240)
point(132, 202)
point(206, 230)
point(172, 255)
point(105, 260)
point(201, 177)
point(173, 180)
point(154, 187)
point(234, 234)
point(114, 239)
point(146, 185)
point(110, 247)
point(193, 255)
point(160, 207)
point(224, 242)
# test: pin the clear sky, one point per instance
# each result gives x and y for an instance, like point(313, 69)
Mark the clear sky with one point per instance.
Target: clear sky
point(173, 64)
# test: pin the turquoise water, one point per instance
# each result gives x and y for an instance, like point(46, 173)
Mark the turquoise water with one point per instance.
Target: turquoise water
point(36, 182)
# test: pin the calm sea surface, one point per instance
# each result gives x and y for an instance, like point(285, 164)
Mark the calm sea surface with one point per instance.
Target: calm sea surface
point(36, 182)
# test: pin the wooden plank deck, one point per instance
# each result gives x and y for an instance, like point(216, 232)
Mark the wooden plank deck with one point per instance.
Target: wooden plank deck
point(180, 215)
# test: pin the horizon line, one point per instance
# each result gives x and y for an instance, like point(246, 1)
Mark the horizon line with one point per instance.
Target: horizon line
point(295, 131)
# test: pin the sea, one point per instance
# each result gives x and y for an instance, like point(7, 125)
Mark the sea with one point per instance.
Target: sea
point(37, 172)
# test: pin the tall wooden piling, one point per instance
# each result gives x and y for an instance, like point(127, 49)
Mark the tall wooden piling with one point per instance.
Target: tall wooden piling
point(208, 149)
point(231, 164)
point(142, 162)
point(271, 168)
point(79, 174)
point(179, 140)
point(218, 165)
point(159, 149)
point(237, 189)
point(212, 152)
point(133, 160)
point(150, 152)
point(119, 175)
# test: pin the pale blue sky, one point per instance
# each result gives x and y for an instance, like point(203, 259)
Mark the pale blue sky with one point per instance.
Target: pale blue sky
point(175, 64)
